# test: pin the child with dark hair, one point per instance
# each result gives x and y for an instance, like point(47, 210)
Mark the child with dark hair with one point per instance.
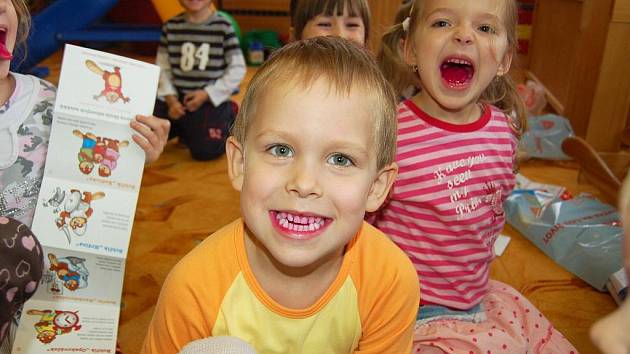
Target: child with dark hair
point(349, 19)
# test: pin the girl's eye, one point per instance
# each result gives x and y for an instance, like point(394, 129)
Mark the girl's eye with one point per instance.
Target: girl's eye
point(324, 24)
point(353, 25)
point(340, 160)
point(487, 29)
point(440, 23)
point(280, 151)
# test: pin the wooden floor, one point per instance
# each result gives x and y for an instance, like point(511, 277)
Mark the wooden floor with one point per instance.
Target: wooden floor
point(183, 201)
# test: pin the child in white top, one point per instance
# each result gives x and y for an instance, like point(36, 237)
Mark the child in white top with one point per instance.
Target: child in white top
point(26, 105)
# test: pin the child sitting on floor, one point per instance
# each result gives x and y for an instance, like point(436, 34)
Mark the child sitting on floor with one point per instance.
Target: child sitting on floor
point(457, 141)
point(201, 66)
point(301, 272)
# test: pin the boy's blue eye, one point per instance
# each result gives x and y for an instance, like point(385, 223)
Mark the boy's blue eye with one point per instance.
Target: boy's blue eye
point(340, 160)
point(487, 29)
point(280, 151)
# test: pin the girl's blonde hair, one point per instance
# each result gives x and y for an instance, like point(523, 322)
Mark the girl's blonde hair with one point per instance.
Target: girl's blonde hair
point(502, 90)
point(389, 57)
point(24, 25)
point(303, 11)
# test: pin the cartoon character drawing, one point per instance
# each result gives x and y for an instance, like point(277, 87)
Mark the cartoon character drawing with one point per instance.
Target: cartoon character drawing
point(55, 200)
point(75, 212)
point(98, 150)
point(86, 152)
point(54, 323)
point(71, 271)
point(110, 159)
point(113, 83)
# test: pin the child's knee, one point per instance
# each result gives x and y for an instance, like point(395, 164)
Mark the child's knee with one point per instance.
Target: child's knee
point(208, 151)
point(21, 268)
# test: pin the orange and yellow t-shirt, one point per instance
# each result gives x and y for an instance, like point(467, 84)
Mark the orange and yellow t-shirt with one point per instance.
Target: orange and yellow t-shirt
point(370, 307)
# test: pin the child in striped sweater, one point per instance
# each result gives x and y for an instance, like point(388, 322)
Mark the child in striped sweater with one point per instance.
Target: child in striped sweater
point(457, 140)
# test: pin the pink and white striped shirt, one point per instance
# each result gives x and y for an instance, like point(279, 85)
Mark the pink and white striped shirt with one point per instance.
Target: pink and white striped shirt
point(446, 206)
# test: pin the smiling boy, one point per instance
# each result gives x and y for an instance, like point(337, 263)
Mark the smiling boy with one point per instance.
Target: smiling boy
point(312, 151)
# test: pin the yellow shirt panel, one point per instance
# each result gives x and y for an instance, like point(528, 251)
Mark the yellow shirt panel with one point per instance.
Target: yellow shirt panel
point(336, 328)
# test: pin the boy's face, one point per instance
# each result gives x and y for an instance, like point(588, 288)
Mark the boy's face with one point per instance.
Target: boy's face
point(307, 173)
point(459, 48)
point(345, 26)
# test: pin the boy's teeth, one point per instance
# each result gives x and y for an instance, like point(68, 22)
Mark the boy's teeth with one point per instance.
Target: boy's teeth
point(299, 223)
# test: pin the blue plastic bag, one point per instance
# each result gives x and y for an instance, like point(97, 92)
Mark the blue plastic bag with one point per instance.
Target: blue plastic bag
point(582, 234)
point(544, 137)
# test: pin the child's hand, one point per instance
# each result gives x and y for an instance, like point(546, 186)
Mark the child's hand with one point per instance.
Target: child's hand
point(193, 100)
point(176, 110)
point(153, 135)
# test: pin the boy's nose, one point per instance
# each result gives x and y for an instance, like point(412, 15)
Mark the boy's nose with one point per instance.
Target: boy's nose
point(303, 181)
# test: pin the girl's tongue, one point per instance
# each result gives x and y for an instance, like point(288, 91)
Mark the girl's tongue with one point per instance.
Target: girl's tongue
point(4, 52)
point(457, 73)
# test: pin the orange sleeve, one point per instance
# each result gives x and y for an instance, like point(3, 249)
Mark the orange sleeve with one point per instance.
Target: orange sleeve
point(192, 294)
point(390, 295)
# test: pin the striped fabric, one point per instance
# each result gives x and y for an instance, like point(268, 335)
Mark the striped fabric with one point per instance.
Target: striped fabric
point(198, 52)
point(446, 207)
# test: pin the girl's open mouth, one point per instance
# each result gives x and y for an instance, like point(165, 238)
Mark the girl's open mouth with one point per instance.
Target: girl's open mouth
point(457, 73)
point(4, 52)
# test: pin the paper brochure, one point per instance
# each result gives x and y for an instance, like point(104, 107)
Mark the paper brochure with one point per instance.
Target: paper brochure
point(87, 203)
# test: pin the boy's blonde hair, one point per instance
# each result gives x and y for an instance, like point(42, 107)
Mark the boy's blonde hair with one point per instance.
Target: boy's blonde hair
point(303, 11)
point(501, 92)
point(345, 67)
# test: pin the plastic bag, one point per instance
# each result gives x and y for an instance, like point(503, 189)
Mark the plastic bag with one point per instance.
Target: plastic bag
point(582, 234)
point(544, 137)
point(533, 96)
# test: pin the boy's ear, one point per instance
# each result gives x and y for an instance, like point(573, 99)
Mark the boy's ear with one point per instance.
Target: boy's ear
point(381, 186)
point(504, 65)
point(236, 161)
